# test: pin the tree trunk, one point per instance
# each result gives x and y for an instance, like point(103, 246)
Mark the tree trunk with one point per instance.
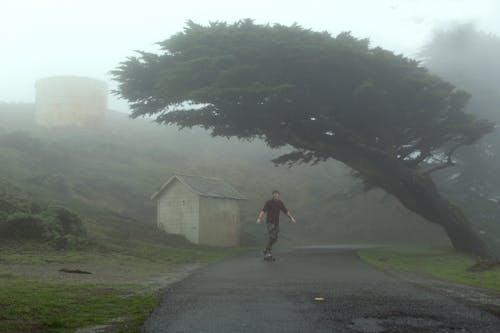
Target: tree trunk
point(419, 194)
point(415, 191)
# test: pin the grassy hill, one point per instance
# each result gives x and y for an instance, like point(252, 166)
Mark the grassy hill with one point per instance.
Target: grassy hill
point(107, 175)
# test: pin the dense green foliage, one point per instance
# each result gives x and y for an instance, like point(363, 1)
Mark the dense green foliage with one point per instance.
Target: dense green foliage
point(22, 219)
point(293, 86)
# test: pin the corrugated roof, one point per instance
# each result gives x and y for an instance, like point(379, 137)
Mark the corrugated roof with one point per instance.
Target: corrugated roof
point(209, 187)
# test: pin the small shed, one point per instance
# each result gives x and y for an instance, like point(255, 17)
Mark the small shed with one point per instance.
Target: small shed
point(204, 210)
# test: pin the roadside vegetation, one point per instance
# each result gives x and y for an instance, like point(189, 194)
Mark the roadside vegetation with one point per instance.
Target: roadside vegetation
point(22, 220)
point(60, 271)
point(120, 290)
point(31, 305)
point(448, 265)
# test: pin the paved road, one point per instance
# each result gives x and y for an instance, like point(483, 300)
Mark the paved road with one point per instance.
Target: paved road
point(246, 294)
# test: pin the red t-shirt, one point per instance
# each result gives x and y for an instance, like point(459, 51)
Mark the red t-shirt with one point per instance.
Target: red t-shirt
point(272, 208)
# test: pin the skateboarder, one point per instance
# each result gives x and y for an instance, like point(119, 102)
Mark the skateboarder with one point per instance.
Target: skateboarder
point(272, 208)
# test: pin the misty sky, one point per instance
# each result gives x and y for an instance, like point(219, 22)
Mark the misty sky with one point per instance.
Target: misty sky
point(90, 37)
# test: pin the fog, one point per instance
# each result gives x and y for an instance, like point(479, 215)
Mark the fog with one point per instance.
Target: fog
point(370, 141)
point(89, 38)
point(468, 58)
point(117, 167)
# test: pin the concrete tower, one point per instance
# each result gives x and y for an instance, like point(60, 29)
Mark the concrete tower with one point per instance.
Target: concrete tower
point(70, 101)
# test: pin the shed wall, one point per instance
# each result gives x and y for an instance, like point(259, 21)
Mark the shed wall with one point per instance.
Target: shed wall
point(219, 221)
point(178, 211)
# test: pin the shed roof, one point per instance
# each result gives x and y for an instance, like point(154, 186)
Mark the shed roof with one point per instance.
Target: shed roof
point(205, 186)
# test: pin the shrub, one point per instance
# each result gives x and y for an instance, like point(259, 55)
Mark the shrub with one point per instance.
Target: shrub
point(63, 227)
point(58, 225)
point(62, 221)
point(22, 226)
point(6, 206)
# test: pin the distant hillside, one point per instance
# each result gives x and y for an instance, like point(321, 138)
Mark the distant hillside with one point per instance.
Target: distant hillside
point(109, 174)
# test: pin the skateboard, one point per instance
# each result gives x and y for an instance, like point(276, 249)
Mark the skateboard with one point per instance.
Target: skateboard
point(269, 257)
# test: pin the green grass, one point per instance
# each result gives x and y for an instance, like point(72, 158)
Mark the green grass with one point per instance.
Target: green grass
point(447, 265)
point(35, 306)
point(32, 304)
point(29, 253)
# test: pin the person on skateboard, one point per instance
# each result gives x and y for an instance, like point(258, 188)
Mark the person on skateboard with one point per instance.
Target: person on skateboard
point(273, 207)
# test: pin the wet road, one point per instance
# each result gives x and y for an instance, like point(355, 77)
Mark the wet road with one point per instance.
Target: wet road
point(246, 294)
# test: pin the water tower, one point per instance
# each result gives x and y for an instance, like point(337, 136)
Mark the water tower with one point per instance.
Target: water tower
point(70, 101)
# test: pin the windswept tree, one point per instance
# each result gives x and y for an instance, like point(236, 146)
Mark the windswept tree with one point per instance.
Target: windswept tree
point(328, 97)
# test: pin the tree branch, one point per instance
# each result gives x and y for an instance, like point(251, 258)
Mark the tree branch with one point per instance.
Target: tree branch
point(449, 161)
point(438, 167)
point(416, 161)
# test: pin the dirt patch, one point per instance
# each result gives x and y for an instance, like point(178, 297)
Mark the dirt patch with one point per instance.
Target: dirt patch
point(148, 279)
point(111, 327)
point(483, 265)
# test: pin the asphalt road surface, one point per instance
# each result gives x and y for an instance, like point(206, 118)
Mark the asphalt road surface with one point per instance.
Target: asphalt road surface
point(247, 294)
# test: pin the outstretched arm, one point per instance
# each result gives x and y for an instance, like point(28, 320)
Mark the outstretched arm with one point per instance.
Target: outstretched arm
point(287, 212)
point(261, 214)
point(259, 218)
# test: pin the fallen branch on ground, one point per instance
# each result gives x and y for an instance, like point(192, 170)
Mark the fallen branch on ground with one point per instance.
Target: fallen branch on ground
point(77, 271)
